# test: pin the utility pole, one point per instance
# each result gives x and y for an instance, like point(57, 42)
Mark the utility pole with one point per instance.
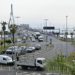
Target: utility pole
point(66, 33)
point(46, 31)
point(66, 24)
point(12, 27)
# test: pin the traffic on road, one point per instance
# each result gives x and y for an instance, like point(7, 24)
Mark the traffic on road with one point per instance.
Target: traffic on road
point(32, 54)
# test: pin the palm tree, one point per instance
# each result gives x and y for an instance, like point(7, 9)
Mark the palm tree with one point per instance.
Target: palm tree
point(13, 28)
point(1, 43)
point(71, 36)
point(4, 28)
point(66, 33)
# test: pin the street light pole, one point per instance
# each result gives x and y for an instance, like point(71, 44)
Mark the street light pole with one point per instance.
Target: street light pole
point(66, 35)
point(12, 26)
point(46, 31)
point(66, 25)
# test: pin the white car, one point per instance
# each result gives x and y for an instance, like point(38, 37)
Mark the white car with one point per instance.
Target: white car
point(13, 47)
point(33, 40)
point(4, 59)
point(23, 47)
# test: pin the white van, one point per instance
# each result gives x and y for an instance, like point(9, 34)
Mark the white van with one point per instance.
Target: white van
point(4, 59)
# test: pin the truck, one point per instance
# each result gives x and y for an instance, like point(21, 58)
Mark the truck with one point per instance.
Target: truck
point(36, 35)
point(37, 63)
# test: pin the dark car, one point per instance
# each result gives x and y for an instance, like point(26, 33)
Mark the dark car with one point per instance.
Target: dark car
point(37, 47)
point(30, 49)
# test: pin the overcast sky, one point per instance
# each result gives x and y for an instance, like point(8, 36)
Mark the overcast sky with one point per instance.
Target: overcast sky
point(34, 12)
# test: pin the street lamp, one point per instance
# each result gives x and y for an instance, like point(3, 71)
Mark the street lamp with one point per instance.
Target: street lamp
point(46, 31)
point(66, 28)
point(46, 26)
point(66, 33)
point(13, 28)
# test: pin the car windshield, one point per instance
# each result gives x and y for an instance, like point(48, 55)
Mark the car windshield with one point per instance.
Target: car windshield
point(39, 61)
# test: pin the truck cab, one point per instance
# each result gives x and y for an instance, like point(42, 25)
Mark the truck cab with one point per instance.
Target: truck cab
point(40, 62)
point(36, 35)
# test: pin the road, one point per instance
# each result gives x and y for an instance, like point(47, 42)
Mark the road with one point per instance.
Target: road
point(8, 70)
point(49, 52)
point(46, 51)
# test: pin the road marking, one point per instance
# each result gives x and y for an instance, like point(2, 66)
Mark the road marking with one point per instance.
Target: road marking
point(22, 73)
point(35, 73)
point(27, 74)
point(9, 68)
point(52, 74)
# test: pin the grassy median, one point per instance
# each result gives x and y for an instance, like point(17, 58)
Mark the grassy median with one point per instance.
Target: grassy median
point(61, 64)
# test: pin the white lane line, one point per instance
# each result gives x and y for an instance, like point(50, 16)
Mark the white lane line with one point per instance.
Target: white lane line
point(1, 68)
point(22, 73)
point(26, 74)
point(35, 73)
point(52, 74)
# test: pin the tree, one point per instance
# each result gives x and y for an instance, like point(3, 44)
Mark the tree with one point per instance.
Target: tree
point(4, 28)
point(71, 36)
point(66, 33)
point(13, 28)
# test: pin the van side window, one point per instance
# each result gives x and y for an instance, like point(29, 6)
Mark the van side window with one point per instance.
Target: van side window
point(4, 59)
point(39, 61)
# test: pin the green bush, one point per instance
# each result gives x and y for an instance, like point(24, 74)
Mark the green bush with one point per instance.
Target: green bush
point(8, 41)
point(1, 43)
point(61, 64)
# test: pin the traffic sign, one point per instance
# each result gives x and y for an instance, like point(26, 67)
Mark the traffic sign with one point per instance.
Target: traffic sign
point(49, 28)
